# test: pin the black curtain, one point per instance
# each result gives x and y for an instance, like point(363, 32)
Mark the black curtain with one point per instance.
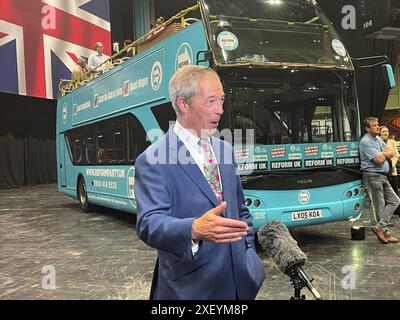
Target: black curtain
point(371, 87)
point(167, 9)
point(121, 17)
point(373, 91)
point(27, 141)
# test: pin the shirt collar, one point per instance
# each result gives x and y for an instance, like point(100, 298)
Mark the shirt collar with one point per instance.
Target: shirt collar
point(374, 138)
point(187, 135)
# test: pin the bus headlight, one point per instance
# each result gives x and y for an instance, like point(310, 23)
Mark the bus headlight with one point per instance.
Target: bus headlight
point(247, 202)
point(349, 194)
point(356, 192)
point(256, 203)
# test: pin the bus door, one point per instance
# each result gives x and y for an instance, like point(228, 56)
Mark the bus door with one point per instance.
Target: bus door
point(61, 159)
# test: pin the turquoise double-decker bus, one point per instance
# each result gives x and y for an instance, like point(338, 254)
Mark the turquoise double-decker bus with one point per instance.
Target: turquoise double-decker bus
point(290, 90)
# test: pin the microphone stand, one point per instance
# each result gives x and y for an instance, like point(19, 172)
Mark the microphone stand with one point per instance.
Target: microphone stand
point(299, 280)
point(298, 284)
point(298, 295)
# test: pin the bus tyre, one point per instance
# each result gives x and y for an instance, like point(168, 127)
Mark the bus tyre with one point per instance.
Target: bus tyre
point(83, 197)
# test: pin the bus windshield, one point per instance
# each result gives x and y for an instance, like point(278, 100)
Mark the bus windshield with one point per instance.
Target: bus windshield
point(301, 107)
point(271, 31)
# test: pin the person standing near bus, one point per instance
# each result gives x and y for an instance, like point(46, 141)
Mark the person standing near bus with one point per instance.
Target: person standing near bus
point(375, 168)
point(190, 207)
point(384, 134)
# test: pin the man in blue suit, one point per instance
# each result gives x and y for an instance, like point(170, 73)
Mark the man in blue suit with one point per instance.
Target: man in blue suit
point(190, 201)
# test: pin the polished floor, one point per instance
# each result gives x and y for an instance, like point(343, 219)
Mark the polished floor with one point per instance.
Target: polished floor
point(49, 249)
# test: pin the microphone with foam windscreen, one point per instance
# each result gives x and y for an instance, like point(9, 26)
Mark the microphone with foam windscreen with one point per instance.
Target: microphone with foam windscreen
point(279, 245)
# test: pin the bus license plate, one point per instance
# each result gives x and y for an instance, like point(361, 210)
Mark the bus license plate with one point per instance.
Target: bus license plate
point(307, 215)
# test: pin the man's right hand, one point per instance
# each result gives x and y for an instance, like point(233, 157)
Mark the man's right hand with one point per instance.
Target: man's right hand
point(216, 229)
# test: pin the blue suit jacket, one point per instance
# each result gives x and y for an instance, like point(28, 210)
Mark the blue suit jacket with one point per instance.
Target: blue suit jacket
point(170, 195)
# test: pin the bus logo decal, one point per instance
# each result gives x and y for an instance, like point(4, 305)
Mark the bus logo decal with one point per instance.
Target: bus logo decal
point(304, 197)
point(156, 76)
point(227, 41)
point(96, 101)
point(126, 88)
point(339, 48)
point(184, 56)
point(64, 113)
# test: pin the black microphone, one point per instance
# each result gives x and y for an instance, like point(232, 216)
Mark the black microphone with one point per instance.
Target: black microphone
point(279, 245)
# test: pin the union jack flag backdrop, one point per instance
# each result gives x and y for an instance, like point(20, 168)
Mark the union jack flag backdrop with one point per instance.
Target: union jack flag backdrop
point(41, 41)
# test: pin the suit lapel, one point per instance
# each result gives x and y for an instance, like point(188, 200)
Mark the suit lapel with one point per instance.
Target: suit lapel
point(176, 148)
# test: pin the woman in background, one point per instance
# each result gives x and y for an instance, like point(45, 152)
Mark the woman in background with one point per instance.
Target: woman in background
point(384, 134)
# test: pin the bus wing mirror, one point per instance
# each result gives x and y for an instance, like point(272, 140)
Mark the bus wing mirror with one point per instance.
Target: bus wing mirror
point(206, 56)
point(388, 75)
point(387, 70)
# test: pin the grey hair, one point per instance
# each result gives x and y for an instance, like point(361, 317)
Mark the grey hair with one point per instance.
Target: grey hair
point(184, 83)
point(367, 121)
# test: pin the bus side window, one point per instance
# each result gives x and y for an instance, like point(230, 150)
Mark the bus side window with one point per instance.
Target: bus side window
point(106, 142)
point(110, 156)
point(138, 141)
point(165, 115)
point(78, 154)
point(90, 153)
point(78, 150)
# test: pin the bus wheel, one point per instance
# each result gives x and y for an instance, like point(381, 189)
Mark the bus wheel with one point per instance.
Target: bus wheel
point(83, 197)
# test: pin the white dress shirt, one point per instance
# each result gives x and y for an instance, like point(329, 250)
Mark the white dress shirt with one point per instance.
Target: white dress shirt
point(95, 59)
point(191, 142)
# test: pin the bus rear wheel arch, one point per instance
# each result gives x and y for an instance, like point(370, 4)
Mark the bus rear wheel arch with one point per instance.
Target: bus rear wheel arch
point(82, 195)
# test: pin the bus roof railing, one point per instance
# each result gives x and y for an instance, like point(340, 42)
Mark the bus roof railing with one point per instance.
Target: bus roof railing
point(66, 85)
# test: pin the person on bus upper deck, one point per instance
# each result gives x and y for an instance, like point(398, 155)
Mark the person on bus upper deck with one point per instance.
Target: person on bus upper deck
point(80, 70)
point(384, 134)
point(128, 53)
point(190, 201)
point(374, 155)
point(159, 23)
point(97, 58)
